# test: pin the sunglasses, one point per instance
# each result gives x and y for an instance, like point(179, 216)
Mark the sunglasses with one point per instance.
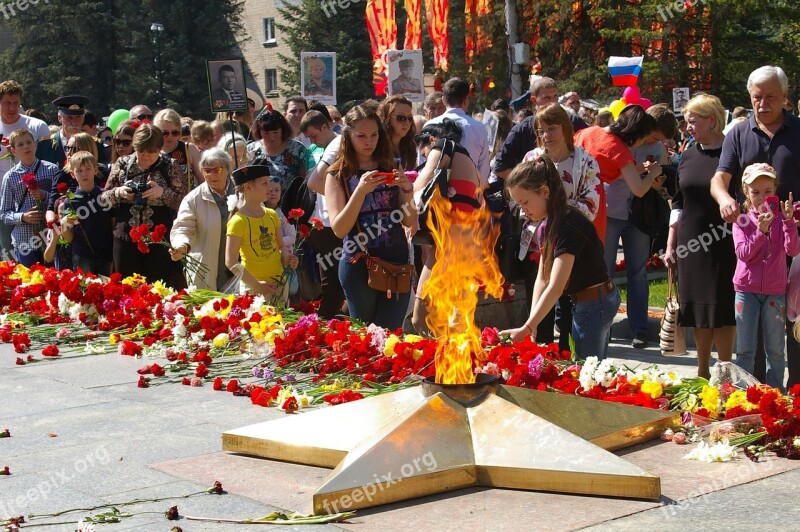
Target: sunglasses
point(174, 133)
point(144, 117)
point(107, 139)
point(123, 142)
point(403, 118)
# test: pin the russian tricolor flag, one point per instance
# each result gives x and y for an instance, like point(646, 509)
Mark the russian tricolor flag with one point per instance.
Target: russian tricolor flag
point(624, 70)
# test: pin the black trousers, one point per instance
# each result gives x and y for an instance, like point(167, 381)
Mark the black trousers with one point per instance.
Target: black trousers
point(326, 243)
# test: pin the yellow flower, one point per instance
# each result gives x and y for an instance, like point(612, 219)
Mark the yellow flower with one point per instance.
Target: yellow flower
point(161, 289)
point(653, 388)
point(221, 340)
point(23, 273)
point(388, 348)
point(710, 398)
point(134, 280)
point(739, 398)
point(411, 338)
point(36, 278)
point(114, 338)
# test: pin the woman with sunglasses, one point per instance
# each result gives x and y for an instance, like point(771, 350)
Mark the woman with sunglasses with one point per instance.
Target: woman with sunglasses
point(199, 229)
point(188, 157)
point(123, 141)
point(286, 157)
point(398, 119)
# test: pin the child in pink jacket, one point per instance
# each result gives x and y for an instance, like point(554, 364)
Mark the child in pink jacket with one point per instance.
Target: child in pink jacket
point(762, 238)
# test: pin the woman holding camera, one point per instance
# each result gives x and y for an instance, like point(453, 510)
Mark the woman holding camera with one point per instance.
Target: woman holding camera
point(146, 188)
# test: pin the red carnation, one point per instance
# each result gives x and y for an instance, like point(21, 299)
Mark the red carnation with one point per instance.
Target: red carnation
point(158, 233)
point(30, 182)
point(143, 249)
point(20, 362)
point(201, 371)
point(50, 351)
point(157, 370)
point(295, 214)
point(62, 188)
point(143, 382)
point(217, 384)
point(304, 230)
point(172, 513)
point(216, 489)
point(186, 381)
point(290, 405)
point(232, 386)
point(5, 471)
point(317, 223)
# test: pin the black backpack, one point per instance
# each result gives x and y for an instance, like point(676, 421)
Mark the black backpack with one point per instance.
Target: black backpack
point(298, 196)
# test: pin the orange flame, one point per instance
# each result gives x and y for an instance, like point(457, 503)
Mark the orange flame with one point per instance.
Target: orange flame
point(465, 263)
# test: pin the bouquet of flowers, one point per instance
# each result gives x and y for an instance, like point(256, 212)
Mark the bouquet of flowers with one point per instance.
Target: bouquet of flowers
point(144, 238)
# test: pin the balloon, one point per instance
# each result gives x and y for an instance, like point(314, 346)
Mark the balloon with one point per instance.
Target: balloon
point(645, 103)
point(116, 118)
point(631, 94)
point(616, 108)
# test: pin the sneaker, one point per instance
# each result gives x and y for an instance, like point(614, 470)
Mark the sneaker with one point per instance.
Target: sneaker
point(640, 341)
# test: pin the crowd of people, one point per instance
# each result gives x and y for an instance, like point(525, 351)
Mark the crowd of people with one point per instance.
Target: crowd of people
point(580, 182)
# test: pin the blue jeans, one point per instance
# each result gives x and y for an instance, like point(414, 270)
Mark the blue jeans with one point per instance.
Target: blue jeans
point(368, 305)
point(772, 310)
point(636, 248)
point(31, 257)
point(591, 325)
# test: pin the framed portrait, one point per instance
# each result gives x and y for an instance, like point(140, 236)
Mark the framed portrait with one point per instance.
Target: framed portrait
point(680, 97)
point(318, 73)
point(226, 85)
point(405, 74)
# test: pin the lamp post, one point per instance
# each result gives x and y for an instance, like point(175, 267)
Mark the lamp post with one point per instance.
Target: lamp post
point(157, 29)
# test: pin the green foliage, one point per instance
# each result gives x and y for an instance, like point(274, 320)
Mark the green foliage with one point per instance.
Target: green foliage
point(105, 50)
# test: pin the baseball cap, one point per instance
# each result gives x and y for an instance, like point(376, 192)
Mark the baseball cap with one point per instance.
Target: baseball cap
point(755, 170)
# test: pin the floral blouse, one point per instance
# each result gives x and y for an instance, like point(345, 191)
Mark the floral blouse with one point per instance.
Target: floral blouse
point(583, 190)
point(285, 166)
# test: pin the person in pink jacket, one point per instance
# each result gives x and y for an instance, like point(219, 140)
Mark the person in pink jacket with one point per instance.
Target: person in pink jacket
point(762, 239)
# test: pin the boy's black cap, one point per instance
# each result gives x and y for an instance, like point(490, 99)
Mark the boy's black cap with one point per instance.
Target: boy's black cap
point(244, 174)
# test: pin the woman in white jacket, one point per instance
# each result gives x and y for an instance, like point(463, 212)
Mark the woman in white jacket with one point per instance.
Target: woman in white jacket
point(199, 229)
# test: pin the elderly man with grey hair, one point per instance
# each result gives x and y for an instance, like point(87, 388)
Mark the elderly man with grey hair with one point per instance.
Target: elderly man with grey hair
point(140, 112)
point(770, 136)
point(199, 229)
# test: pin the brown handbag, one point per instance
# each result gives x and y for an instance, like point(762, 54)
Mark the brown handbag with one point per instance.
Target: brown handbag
point(386, 276)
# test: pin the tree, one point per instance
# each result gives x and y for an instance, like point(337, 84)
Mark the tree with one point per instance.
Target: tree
point(112, 60)
point(310, 29)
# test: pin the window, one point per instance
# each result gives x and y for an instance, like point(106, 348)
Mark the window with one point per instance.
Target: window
point(269, 31)
point(270, 80)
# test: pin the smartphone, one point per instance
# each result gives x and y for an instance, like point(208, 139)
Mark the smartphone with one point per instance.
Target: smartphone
point(773, 203)
point(388, 175)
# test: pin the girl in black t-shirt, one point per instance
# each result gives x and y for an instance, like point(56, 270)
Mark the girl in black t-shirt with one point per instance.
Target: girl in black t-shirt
point(572, 260)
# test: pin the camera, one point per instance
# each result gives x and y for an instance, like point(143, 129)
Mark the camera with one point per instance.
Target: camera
point(138, 187)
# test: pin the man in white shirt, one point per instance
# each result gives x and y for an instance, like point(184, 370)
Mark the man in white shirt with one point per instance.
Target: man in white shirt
point(11, 120)
point(475, 138)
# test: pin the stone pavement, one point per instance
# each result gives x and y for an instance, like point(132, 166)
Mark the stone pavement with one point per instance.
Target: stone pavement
point(83, 434)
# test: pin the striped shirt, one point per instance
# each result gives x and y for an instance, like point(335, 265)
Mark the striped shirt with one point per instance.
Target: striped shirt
point(16, 200)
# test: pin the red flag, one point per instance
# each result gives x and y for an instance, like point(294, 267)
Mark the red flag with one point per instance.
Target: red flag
point(382, 28)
